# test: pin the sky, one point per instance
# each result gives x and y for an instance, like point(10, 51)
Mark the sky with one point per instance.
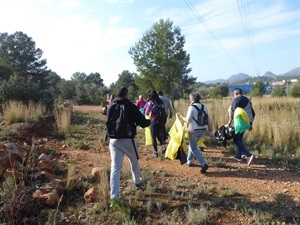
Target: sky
point(223, 37)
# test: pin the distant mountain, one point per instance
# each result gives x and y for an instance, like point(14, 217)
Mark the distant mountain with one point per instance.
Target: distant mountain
point(293, 72)
point(270, 74)
point(220, 81)
point(238, 77)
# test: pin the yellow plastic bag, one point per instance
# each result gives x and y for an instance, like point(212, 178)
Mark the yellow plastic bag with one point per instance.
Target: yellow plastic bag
point(148, 134)
point(240, 112)
point(241, 120)
point(176, 139)
point(201, 143)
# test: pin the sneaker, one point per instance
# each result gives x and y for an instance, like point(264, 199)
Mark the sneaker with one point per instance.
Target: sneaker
point(249, 160)
point(163, 149)
point(204, 168)
point(138, 186)
point(237, 159)
point(154, 155)
point(191, 165)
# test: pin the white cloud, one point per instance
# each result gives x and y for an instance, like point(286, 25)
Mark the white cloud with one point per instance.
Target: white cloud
point(70, 4)
point(115, 20)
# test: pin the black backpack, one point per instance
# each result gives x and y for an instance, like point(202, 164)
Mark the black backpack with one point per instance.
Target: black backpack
point(117, 125)
point(202, 119)
point(160, 113)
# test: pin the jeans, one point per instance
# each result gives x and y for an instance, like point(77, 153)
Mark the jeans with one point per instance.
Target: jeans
point(238, 141)
point(157, 130)
point(194, 137)
point(119, 147)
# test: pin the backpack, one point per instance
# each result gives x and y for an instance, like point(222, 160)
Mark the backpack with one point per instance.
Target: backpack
point(202, 119)
point(117, 125)
point(160, 113)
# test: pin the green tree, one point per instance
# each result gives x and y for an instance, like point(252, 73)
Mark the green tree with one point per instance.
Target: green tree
point(295, 91)
point(126, 79)
point(23, 71)
point(95, 78)
point(257, 89)
point(218, 91)
point(160, 59)
point(67, 89)
point(80, 77)
point(278, 92)
point(19, 52)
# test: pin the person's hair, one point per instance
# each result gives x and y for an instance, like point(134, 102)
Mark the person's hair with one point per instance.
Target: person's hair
point(160, 93)
point(154, 97)
point(195, 96)
point(123, 92)
point(238, 91)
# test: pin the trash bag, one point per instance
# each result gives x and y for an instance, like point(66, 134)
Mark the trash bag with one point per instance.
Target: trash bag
point(176, 140)
point(241, 120)
point(148, 134)
point(225, 133)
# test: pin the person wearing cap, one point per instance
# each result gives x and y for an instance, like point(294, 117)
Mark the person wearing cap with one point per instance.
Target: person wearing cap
point(196, 131)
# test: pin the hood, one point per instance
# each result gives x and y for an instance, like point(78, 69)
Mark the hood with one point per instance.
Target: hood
point(120, 100)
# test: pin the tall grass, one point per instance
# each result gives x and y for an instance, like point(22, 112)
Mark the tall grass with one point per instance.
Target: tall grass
point(276, 124)
point(62, 116)
point(16, 111)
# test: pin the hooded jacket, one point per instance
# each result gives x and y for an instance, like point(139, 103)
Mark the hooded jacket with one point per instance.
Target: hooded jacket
point(135, 117)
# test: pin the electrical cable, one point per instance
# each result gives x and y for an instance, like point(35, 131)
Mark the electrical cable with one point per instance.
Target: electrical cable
point(190, 5)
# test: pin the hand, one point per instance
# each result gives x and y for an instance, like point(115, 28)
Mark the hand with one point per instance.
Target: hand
point(250, 128)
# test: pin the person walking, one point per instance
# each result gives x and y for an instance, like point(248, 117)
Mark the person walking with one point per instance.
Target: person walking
point(140, 103)
point(169, 110)
point(156, 109)
point(239, 100)
point(195, 131)
point(123, 142)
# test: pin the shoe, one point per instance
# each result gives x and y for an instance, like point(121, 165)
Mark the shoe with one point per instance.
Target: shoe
point(163, 149)
point(138, 186)
point(154, 155)
point(204, 168)
point(237, 159)
point(191, 165)
point(249, 160)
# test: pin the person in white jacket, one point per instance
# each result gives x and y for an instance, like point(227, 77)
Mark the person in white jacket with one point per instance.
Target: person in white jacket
point(196, 131)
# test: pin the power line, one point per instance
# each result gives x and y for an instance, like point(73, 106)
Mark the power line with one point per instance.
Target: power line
point(190, 5)
point(247, 24)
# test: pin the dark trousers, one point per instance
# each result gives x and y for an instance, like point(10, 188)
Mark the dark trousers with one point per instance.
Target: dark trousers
point(157, 134)
point(238, 141)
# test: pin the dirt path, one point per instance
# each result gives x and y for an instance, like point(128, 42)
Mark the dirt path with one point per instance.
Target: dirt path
point(262, 182)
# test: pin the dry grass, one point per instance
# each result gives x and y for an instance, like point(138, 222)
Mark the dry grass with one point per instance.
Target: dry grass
point(63, 119)
point(277, 121)
point(16, 111)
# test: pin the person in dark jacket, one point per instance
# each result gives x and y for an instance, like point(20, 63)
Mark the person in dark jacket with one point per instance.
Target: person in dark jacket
point(157, 127)
point(239, 100)
point(127, 144)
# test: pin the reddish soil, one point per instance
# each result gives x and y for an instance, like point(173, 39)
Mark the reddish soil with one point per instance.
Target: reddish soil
point(263, 182)
point(267, 186)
